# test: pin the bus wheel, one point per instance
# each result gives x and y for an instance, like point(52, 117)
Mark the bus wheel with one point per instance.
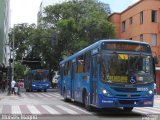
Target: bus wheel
point(45, 90)
point(65, 95)
point(127, 109)
point(86, 103)
point(30, 90)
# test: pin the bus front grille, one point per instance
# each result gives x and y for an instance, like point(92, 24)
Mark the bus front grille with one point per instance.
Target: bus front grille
point(127, 101)
point(117, 89)
point(128, 96)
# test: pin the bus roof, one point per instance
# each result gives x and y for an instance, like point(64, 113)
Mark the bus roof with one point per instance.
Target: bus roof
point(97, 44)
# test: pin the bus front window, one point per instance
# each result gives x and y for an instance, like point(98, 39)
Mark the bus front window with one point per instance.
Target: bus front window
point(40, 77)
point(117, 68)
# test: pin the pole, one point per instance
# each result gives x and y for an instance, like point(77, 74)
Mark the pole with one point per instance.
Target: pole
point(13, 51)
point(9, 74)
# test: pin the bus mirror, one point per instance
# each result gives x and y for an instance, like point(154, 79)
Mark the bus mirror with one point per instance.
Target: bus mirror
point(99, 58)
point(155, 58)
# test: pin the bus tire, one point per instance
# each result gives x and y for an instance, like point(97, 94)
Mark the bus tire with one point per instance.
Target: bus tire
point(65, 96)
point(45, 90)
point(127, 109)
point(30, 90)
point(86, 103)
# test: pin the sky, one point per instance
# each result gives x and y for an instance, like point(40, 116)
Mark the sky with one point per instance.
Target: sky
point(25, 11)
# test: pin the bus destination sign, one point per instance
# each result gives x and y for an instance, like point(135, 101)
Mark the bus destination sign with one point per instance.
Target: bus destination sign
point(124, 47)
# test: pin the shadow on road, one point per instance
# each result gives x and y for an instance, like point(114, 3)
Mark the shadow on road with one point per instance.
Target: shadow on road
point(109, 112)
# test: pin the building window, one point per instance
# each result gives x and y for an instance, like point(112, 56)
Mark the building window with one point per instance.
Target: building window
point(154, 39)
point(141, 17)
point(130, 20)
point(123, 26)
point(141, 37)
point(154, 16)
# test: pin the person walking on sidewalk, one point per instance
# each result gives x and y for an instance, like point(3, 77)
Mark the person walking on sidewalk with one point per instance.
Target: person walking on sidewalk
point(12, 86)
point(19, 87)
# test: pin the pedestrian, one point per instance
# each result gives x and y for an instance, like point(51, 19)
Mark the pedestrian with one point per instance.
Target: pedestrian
point(19, 87)
point(12, 86)
point(16, 88)
point(0, 81)
point(3, 85)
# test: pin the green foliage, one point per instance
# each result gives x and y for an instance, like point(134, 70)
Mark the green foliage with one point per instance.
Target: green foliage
point(19, 70)
point(20, 35)
point(77, 23)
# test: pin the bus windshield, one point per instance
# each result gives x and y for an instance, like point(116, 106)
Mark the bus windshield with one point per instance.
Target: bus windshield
point(40, 77)
point(118, 68)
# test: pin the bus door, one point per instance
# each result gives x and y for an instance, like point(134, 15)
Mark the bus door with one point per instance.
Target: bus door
point(61, 79)
point(73, 70)
point(94, 77)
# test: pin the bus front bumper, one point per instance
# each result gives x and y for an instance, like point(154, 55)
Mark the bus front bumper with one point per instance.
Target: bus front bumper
point(106, 102)
point(35, 87)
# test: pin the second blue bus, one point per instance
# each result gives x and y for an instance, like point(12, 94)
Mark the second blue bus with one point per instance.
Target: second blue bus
point(37, 79)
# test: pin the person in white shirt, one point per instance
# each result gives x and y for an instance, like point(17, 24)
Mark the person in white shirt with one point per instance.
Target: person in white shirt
point(13, 85)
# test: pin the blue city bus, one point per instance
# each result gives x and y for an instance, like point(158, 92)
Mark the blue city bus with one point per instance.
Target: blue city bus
point(110, 73)
point(37, 79)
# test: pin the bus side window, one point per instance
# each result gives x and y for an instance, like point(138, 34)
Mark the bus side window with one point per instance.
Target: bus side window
point(80, 64)
point(94, 62)
point(87, 62)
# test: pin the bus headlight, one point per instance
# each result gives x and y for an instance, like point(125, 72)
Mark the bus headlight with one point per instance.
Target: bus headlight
point(150, 92)
point(105, 92)
point(33, 85)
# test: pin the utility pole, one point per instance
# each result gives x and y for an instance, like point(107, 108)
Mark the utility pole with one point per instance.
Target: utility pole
point(13, 51)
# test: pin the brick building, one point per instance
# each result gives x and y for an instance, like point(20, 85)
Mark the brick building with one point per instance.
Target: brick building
point(141, 22)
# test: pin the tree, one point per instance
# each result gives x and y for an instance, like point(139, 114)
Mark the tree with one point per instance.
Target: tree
point(20, 35)
point(78, 23)
point(19, 70)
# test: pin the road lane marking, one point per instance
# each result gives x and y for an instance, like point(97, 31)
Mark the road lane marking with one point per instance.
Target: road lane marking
point(66, 109)
point(147, 110)
point(50, 110)
point(16, 109)
point(79, 109)
point(54, 95)
point(33, 109)
point(37, 94)
point(1, 107)
point(23, 95)
point(45, 95)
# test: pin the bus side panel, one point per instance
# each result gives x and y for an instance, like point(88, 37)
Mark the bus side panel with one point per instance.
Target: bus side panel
point(81, 83)
point(66, 85)
point(77, 87)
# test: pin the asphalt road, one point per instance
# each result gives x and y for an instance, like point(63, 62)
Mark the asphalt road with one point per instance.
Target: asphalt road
point(50, 106)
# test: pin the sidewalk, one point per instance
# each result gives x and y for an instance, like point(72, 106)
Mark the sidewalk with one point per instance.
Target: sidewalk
point(157, 97)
